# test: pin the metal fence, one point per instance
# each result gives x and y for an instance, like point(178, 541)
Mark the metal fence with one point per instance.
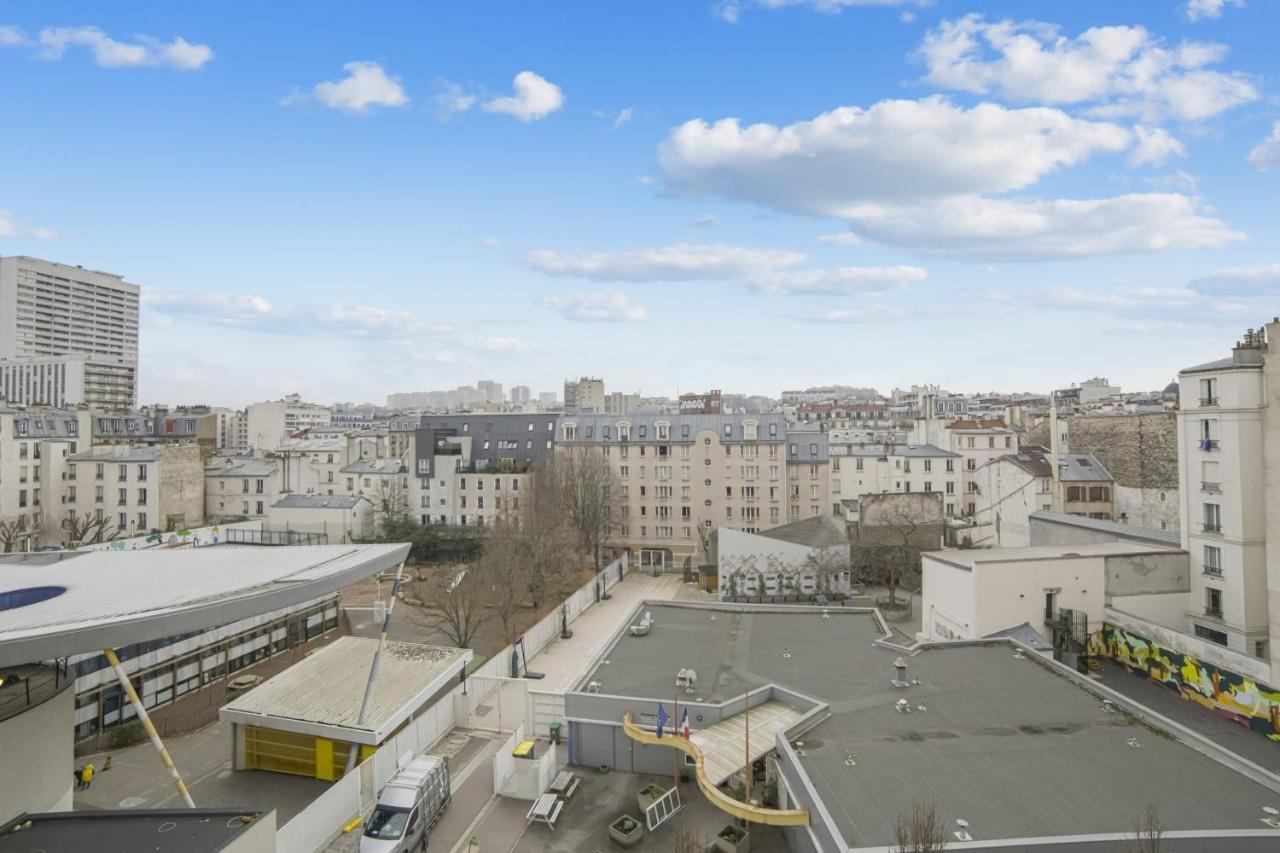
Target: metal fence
point(275, 537)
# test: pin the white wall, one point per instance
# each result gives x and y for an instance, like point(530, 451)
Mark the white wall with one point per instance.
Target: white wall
point(946, 600)
point(37, 755)
point(747, 554)
point(1010, 593)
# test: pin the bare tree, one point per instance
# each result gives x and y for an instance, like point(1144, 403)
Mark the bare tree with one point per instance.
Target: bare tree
point(546, 539)
point(586, 483)
point(10, 530)
point(455, 602)
point(920, 832)
point(391, 500)
point(499, 564)
point(824, 564)
point(1148, 836)
point(893, 530)
point(89, 528)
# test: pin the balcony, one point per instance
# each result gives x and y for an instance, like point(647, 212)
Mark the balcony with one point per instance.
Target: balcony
point(1208, 401)
point(1213, 613)
point(1210, 527)
point(1213, 571)
point(1214, 488)
point(1207, 444)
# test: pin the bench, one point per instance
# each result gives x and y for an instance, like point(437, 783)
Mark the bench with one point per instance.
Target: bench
point(564, 784)
point(546, 809)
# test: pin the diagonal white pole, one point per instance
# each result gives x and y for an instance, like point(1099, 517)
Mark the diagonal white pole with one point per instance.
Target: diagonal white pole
point(145, 719)
point(373, 667)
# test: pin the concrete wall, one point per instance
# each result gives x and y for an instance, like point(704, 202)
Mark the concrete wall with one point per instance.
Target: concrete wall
point(1203, 650)
point(1048, 532)
point(36, 752)
point(1147, 507)
point(1147, 574)
point(946, 600)
point(181, 487)
point(1010, 593)
point(260, 837)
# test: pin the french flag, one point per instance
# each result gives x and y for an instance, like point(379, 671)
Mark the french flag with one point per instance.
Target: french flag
point(684, 724)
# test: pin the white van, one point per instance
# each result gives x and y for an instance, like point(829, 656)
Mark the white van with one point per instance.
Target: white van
point(408, 806)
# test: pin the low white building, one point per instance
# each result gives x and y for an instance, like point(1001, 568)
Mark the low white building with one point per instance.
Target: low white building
point(342, 518)
point(804, 558)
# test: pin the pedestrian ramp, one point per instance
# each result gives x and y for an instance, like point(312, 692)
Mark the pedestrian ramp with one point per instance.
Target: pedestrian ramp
point(724, 745)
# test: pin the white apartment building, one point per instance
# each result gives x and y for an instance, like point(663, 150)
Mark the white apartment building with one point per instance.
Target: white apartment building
point(521, 394)
point(858, 469)
point(74, 379)
point(237, 487)
point(312, 465)
point(51, 309)
point(230, 430)
point(1229, 468)
point(269, 424)
point(137, 488)
point(1010, 488)
point(584, 394)
point(491, 390)
point(34, 448)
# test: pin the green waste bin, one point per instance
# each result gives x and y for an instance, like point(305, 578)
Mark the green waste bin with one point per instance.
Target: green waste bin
point(555, 731)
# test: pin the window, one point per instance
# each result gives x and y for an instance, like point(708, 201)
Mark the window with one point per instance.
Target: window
point(1213, 603)
point(142, 496)
point(142, 521)
point(971, 464)
point(951, 487)
point(728, 430)
point(928, 486)
point(123, 473)
point(951, 466)
point(123, 497)
point(1212, 518)
point(928, 466)
point(1208, 434)
point(1212, 560)
point(1208, 392)
point(749, 430)
point(664, 431)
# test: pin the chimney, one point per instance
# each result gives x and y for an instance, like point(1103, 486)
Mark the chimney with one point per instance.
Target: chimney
point(900, 673)
point(1249, 351)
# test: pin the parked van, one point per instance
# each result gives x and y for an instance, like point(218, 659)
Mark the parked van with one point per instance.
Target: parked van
point(408, 806)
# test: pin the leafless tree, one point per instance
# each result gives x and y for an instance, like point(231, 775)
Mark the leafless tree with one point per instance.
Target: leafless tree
point(546, 539)
point(391, 500)
point(922, 831)
point(824, 564)
point(89, 528)
point(1148, 836)
point(499, 567)
point(455, 602)
point(586, 484)
point(10, 530)
point(891, 541)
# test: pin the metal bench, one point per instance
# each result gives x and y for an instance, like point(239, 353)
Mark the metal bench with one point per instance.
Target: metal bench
point(564, 784)
point(546, 809)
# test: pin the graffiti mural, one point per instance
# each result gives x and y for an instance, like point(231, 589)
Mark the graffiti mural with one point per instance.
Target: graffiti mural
point(1246, 701)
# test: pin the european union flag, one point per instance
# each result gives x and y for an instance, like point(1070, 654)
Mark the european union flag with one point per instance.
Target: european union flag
point(663, 719)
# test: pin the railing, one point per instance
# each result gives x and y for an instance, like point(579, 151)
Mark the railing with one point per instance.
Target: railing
point(1208, 444)
point(1216, 571)
point(1206, 486)
point(1213, 613)
point(1210, 527)
point(1208, 401)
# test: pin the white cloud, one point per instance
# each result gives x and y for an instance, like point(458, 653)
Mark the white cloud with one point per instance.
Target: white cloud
point(706, 220)
point(919, 174)
point(1266, 155)
point(864, 314)
point(841, 281)
point(367, 84)
point(623, 116)
point(603, 307)
point(111, 53)
point(500, 343)
point(1119, 70)
point(844, 238)
point(1154, 145)
point(677, 262)
point(452, 98)
point(893, 150)
point(1176, 180)
point(11, 226)
point(534, 98)
point(1200, 9)
point(997, 229)
point(1262, 280)
point(11, 36)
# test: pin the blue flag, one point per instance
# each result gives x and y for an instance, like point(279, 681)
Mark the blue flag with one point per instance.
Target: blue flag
point(662, 719)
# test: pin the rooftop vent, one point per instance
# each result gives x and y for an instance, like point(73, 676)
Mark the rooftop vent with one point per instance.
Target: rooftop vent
point(902, 706)
point(687, 679)
point(900, 674)
point(594, 686)
point(643, 627)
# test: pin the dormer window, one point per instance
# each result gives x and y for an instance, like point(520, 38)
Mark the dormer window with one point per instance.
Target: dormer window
point(624, 432)
point(749, 430)
point(570, 432)
point(664, 430)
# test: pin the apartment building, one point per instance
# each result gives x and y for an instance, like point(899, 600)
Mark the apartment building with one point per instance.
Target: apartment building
point(51, 310)
point(808, 475)
point(34, 448)
point(312, 464)
point(1229, 466)
point(467, 468)
point(180, 427)
point(269, 424)
point(136, 487)
point(681, 476)
point(72, 379)
point(585, 394)
point(239, 487)
point(861, 469)
point(1007, 490)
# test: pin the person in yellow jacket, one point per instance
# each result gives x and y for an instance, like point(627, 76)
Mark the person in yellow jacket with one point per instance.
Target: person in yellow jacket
point(86, 776)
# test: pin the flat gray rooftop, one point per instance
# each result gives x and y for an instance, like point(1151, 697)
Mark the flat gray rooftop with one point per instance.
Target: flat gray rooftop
point(1014, 747)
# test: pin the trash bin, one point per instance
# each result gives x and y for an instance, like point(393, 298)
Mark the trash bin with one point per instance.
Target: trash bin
point(555, 731)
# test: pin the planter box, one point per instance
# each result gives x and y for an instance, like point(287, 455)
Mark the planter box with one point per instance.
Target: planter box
point(626, 831)
point(732, 839)
point(647, 796)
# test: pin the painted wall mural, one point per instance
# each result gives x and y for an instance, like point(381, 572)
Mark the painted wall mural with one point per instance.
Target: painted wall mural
point(1222, 691)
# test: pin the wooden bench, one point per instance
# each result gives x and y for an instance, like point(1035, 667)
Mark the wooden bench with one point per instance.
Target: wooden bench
point(564, 784)
point(546, 809)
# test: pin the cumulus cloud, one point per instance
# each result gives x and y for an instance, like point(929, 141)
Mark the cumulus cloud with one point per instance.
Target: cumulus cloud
point(12, 226)
point(366, 85)
point(920, 175)
point(894, 150)
point(452, 98)
point(677, 262)
point(534, 98)
point(1266, 155)
point(1197, 10)
point(844, 238)
point(1262, 281)
point(841, 281)
point(602, 307)
point(11, 36)
point(107, 52)
point(1119, 70)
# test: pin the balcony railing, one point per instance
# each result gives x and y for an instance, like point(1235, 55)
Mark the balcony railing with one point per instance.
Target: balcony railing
point(1208, 444)
point(1208, 401)
point(1210, 527)
point(1206, 486)
point(1216, 571)
point(1213, 613)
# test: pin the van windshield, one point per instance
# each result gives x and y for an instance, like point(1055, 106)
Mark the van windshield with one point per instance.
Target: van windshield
point(386, 823)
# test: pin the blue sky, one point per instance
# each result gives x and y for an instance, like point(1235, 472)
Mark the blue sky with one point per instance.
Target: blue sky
point(352, 199)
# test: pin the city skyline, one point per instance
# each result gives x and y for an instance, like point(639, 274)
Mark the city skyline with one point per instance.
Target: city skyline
point(960, 193)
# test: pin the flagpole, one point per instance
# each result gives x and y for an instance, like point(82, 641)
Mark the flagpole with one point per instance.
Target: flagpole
point(747, 741)
point(675, 753)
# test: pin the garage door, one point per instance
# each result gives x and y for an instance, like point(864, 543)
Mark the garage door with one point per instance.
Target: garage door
point(281, 752)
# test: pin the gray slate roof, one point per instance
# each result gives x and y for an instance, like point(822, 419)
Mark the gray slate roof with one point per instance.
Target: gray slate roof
point(375, 466)
point(117, 453)
point(1123, 531)
point(1220, 364)
point(1081, 467)
point(319, 501)
point(240, 466)
point(820, 531)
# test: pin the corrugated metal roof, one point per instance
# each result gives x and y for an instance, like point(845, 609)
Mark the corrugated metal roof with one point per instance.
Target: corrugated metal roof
point(323, 692)
point(114, 598)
